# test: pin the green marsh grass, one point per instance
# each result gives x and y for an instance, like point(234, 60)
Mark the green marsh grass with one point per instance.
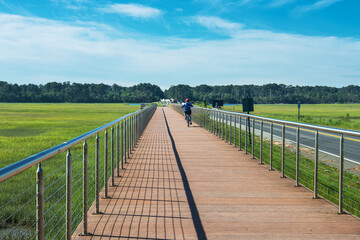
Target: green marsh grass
point(27, 129)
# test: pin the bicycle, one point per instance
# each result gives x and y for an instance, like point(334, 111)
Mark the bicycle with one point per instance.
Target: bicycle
point(187, 117)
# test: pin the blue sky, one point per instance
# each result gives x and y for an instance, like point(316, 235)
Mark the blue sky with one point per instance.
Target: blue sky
point(215, 42)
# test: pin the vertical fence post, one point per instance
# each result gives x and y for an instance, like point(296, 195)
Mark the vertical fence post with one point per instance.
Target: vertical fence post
point(138, 127)
point(106, 165)
point(222, 126)
point(212, 121)
point(128, 137)
point(132, 132)
point(122, 145)
point(240, 122)
point(235, 130)
point(271, 145)
point(341, 174)
point(261, 141)
point(97, 169)
point(219, 121)
point(68, 194)
point(230, 129)
point(283, 152)
point(112, 158)
point(297, 155)
point(125, 141)
point(316, 164)
point(246, 134)
point(226, 127)
point(85, 189)
point(118, 150)
point(40, 231)
point(253, 139)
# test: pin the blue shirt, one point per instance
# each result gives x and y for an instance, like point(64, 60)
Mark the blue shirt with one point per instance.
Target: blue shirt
point(187, 106)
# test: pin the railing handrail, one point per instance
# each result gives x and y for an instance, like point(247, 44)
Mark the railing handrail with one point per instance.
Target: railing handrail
point(22, 165)
point(311, 126)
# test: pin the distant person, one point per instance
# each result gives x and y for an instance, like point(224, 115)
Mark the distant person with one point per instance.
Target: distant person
point(187, 109)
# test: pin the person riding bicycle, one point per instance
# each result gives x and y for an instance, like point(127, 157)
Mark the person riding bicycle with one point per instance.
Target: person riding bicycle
point(187, 109)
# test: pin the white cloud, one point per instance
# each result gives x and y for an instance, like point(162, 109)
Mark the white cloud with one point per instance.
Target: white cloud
point(38, 50)
point(132, 10)
point(317, 5)
point(216, 24)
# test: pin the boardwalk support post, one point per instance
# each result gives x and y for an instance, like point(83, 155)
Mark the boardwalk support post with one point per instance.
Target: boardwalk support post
point(271, 145)
point(297, 156)
point(68, 194)
point(106, 165)
point(261, 141)
point(283, 152)
point(85, 190)
point(341, 174)
point(316, 164)
point(40, 232)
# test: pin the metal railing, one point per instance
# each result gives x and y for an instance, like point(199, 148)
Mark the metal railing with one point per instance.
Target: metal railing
point(322, 159)
point(59, 200)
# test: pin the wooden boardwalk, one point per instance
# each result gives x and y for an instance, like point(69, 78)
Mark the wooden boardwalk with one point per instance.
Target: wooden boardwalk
point(185, 183)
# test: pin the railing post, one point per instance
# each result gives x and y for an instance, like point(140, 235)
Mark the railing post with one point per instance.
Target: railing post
point(226, 127)
point(253, 139)
point(213, 121)
point(341, 174)
point(68, 194)
point(240, 122)
point(122, 145)
point(40, 222)
point(132, 132)
point(118, 150)
point(297, 155)
point(271, 145)
point(106, 165)
point(222, 126)
point(129, 136)
point(125, 140)
point(219, 121)
point(230, 129)
point(261, 141)
point(97, 169)
point(246, 134)
point(138, 127)
point(235, 130)
point(283, 152)
point(112, 158)
point(316, 164)
point(85, 190)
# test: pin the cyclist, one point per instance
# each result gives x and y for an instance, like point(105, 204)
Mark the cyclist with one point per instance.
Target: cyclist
point(187, 109)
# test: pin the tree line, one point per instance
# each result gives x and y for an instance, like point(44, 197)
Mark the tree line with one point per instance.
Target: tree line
point(146, 92)
point(267, 94)
point(54, 92)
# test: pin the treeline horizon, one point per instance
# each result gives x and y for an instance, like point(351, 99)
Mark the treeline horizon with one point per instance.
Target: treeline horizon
point(267, 94)
point(54, 92)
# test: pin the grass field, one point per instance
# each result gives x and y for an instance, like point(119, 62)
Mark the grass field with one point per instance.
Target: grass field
point(27, 129)
point(346, 116)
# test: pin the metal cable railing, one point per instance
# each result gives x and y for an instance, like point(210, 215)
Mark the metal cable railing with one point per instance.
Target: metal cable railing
point(298, 151)
point(60, 198)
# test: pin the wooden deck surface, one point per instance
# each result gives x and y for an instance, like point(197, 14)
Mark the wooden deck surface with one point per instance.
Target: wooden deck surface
point(185, 183)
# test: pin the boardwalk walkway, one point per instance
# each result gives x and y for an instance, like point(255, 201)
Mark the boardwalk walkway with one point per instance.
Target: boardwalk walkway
point(185, 183)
